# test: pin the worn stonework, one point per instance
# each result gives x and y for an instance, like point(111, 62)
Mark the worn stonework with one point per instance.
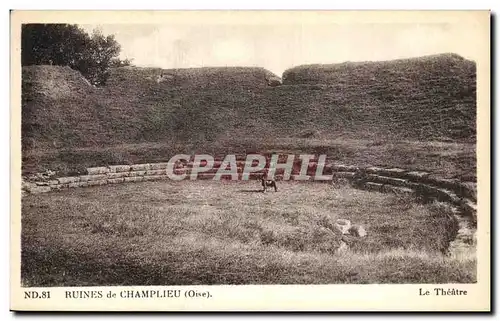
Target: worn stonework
point(343, 174)
point(118, 175)
point(373, 186)
point(97, 182)
point(416, 175)
point(391, 172)
point(137, 173)
point(86, 178)
point(57, 187)
point(134, 179)
point(66, 180)
point(342, 168)
point(374, 170)
point(156, 172)
point(116, 180)
point(40, 189)
point(397, 190)
point(97, 170)
point(140, 167)
point(387, 180)
point(162, 166)
point(119, 168)
point(394, 180)
point(394, 172)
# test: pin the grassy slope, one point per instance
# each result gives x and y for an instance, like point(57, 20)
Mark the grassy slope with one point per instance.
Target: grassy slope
point(219, 109)
point(225, 233)
point(426, 98)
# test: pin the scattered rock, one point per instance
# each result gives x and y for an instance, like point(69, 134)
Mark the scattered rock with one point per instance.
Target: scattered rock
point(343, 225)
point(343, 247)
point(357, 230)
point(274, 81)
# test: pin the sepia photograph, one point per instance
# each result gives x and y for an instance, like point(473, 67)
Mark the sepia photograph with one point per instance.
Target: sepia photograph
point(165, 153)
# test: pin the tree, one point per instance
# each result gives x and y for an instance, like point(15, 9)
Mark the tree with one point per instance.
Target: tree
point(116, 62)
point(69, 45)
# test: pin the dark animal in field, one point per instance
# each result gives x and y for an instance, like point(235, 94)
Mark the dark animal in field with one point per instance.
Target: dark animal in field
point(268, 183)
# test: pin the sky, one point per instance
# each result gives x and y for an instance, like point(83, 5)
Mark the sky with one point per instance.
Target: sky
point(278, 47)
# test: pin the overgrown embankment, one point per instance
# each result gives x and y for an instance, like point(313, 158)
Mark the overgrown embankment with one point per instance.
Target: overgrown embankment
point(355, 111)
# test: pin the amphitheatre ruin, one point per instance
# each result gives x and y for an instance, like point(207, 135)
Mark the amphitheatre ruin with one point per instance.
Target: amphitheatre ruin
point(94, 168)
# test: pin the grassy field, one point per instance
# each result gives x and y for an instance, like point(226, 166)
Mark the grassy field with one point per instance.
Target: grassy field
point(208, 232)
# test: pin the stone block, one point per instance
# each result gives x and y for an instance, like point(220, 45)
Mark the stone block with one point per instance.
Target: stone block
point(134, 179)
point(59, 187)
point(119, 168)
point(140, 167)
point(373, 186)
point(387, 180)
point(97, 170)
point(137, 173)
point(397, 190)
point(416, 175)
point(343, 175)
point(156, 172)
point(116, 180)
point(97, 182)
point(40, 189)
point(66, 180)
point(118, 175)
point(87, 178)
point(342, 168)
point(162, 166)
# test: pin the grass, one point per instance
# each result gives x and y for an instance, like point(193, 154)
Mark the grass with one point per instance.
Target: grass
point(422, 99)
point(192, 232)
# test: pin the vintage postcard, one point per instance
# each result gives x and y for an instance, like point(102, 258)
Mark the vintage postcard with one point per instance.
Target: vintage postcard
point(250, 161)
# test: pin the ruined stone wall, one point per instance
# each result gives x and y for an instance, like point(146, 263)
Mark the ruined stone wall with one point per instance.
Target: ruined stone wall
point(393, 180)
